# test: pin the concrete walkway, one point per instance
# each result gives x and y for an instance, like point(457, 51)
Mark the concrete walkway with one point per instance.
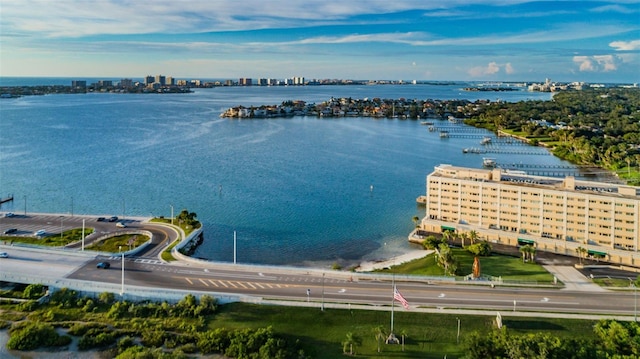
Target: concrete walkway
point(573, 279)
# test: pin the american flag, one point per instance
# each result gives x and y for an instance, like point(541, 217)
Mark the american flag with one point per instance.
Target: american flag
point(397, 296)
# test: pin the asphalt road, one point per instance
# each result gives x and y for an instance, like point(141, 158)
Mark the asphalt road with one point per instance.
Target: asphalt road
point(54, 224)
point(278, 283)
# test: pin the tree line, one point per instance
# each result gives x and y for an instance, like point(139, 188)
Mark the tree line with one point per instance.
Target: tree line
point(594, 127)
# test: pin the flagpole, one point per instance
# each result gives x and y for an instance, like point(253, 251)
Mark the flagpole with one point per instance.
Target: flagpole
point(393, 290)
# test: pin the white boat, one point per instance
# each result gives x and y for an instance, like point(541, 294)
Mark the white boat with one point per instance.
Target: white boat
point(486, 140)
point(489, 162)
point(444, 134)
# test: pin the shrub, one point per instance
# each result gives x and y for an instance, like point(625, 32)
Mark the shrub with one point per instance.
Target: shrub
point(106, 298)
point(33, 291)
point(28, 306)
point(30, 336)
point(79, 329)
point(65, 298)
point(96, 338)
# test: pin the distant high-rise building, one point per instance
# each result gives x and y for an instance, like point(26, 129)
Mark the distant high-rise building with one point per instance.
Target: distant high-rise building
point(170, 81)
point(79, 84)
point(161, 80)
point(298, 80)
point(228, 83)
point(126, 83)
point(105, 83)
point(148, 80)
point(244, 81)
point(263, 82)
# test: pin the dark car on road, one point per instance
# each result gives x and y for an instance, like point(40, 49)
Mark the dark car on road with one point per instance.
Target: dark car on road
point(113, 219)
point(100, 219)
point(11, 230)
point(103, 265)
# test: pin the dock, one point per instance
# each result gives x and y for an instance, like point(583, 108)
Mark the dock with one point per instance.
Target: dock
point(9, 198)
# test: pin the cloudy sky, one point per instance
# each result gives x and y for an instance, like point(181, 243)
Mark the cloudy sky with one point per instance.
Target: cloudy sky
point(489, 40)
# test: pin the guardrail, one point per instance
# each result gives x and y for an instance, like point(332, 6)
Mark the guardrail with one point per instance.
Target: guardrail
point(131, 293)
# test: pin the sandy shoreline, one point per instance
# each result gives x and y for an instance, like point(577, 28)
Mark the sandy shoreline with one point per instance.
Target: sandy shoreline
point(368, 266)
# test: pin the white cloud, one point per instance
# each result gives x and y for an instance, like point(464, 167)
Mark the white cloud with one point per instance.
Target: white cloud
point(509, 69)
point(597, 63)
point(625, 45)
point(491, 68)
point(614, 8)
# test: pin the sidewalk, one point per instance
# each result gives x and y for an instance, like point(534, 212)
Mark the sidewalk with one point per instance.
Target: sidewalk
point(573, 279)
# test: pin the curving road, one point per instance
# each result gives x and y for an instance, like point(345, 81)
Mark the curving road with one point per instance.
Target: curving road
point(295, 284)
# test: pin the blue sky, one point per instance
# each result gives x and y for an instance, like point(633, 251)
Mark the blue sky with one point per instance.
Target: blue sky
point(497, 40)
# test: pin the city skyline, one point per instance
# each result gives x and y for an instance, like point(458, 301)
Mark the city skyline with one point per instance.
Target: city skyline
point(591, 41)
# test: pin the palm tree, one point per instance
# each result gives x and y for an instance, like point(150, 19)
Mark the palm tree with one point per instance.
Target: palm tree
point(350, 341)
point(380, 334)
point(463, 237)
point(532, 253)
point(524, 250)
point(473, 236)
point(403, 333)
point(581, 251)
point(447, 236)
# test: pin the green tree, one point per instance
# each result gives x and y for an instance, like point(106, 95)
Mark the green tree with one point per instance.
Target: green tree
point(351, 341)
point(446, 260)
point(581, 251)
point(380, 334)
point(33, 291)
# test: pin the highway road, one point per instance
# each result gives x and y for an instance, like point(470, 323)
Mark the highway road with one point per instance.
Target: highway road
point(302, 285)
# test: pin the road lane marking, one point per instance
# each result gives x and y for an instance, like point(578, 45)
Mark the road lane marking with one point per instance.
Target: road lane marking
point(259, 285)
point(242, 285)
point(233, 285)
point(251, 285)
point(188, 280)
point(203, 282)
point(214, 283)
point(223, 283)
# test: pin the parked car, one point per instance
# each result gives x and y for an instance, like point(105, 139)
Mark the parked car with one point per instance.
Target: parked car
point(121, 225)
point(113, 219)
point(103, 265)
point(10, 230)
point(100, 219)
point(9, 214)
point(4, 255)
point(40, 233)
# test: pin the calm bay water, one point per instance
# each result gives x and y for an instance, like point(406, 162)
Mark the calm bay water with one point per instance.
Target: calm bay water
point(298, 191)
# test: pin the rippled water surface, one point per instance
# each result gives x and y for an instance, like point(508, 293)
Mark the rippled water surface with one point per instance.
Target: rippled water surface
point(297, 191)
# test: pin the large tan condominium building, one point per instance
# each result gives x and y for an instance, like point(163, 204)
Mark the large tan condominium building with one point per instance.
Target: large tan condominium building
point(565, 216)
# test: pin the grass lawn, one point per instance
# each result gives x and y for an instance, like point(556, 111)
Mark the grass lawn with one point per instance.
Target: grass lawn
point(427, 335)
point(113, 244)
point(509, 268)
point(51, 240)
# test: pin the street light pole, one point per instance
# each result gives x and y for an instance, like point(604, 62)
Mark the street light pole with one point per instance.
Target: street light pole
point(171, 214)
point(322, 307)
point(25, 205)
point(458, 336)
point(635, 300)
point(83, 234)
point(122, 287)
point(71, 206)
point(61, 218)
